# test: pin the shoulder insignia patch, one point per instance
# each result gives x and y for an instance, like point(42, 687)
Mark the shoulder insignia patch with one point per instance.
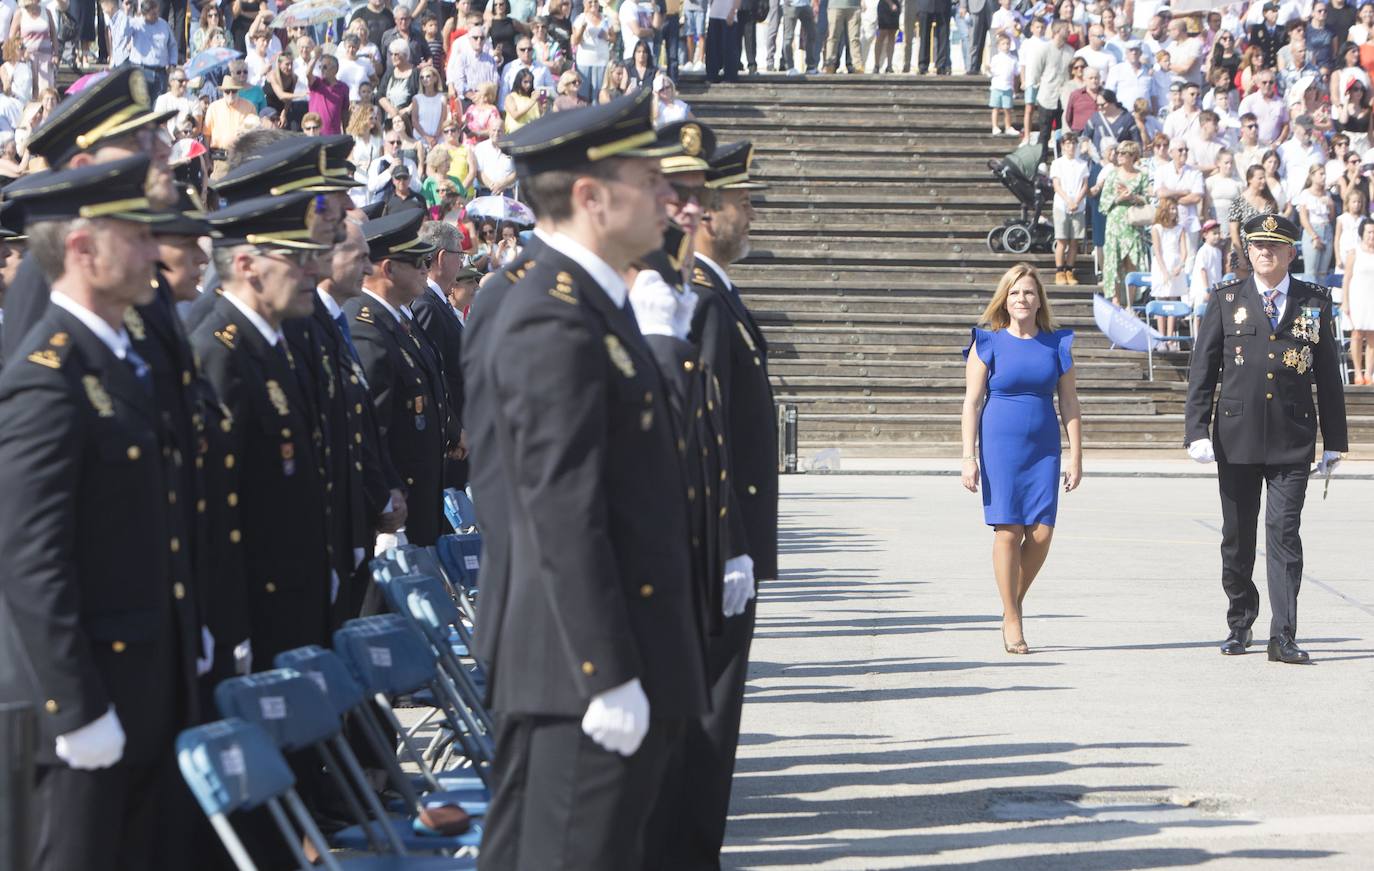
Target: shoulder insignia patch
point(58, 340)
point(563, 289)
point(278, 398)
point(699, 276)
point(229, 336)
point(364, 315)
point(563, 296)
point(95, 392)
point(744, 332)
point(47, 358)
point(619, 356)
point(133, 322)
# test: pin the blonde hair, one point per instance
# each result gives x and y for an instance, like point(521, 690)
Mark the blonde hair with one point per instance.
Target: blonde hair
point(995, 316)
point(488, 90)
point(1166, 213)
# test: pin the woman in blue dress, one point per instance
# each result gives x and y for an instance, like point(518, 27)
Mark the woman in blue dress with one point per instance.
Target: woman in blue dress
point(1020, 361)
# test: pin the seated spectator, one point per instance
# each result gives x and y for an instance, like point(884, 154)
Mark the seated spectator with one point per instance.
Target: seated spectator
point(1255, 199)
point(667, 108)
point(1349, 70)
point(412, 149)
point(508, 248)
point(617, 82)
point(480, 258)
point(523, 105)
point(16, 74)
point(483, 111)
point(641, 67)
point(1351, 114)
point(569, 92)
point(1110, 122)
point(12, 165)
point(211, 19)
point(1147, 123)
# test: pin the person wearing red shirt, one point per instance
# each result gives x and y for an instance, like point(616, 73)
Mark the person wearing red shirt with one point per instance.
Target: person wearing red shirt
point(328, 95)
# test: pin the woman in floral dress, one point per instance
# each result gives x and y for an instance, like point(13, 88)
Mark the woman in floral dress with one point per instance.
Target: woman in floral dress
point(1125, 185)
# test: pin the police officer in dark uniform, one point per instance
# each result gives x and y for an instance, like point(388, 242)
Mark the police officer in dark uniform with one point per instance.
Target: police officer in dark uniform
point(267, 262)
point(403, 376)
point(598, 565)
point(92, 630)
point(110, 120)
point(1269, 339)
point(444, 330)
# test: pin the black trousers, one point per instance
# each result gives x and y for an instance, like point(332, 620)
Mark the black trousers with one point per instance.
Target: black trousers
point(934, 29)
point(691, 822)
point(982, 22)
point(1048, 119)
point(1286, 491)
point(722, 50)
point(560, 802)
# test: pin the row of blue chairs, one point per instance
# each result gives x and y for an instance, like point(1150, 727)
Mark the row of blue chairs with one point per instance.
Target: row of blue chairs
point(418, 657)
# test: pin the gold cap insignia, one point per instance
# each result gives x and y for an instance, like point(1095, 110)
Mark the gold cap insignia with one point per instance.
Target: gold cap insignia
point(95, 392)
point(278, 398)
point(691, 139)
point(1270, 224)
point(619, 356)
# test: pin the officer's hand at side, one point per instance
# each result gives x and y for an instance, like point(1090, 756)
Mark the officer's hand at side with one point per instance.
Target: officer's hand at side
point(739, 585)
point(618, 719)
point(1201, 450)
point(396, 517)
point(206, 661)
point(1327, 464)
point(243, 657)
point(98, 744)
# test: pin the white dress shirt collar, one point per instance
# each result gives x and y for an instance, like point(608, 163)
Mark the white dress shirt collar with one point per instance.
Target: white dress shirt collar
point(272, 336)
point(116, 341)
point(395, 312)
point(1281, 300)
point(329, 304)
point(600, 271)
point(434, 288)
point(715, 267)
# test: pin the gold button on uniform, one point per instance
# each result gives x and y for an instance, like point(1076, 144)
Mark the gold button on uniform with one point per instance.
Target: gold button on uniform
point(51, 706)
point(358, 408)
point(1272, 337)
point(232, 499)
point(235, 536)
point(588, 669)
point(179, 590)
point(722, 511)
point(270, 587)
point(1269, 375)
point(226, 424)
point(286, 433)
point(228, 461)
point(171, 497)
point(1268, 396)
point(753, 491)
point(410, 481)
point(688, 365)
point(200, 506)
point(646, 591)
point(1271, 355)
point(175, 544)
point(691, 494)
point(119, 647)
point(133, 452)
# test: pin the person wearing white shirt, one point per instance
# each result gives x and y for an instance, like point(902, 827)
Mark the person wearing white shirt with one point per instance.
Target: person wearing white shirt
point(542, 79)
point(1297, 155)
point(1069, 175)
point(636, 23)
point(1185, 53)
point(495, 169)
point(1097, 54)
point(1183, 122)
point(1207, 267)
point(1130, 80)
point(353, 71)
point(379, 173)
point(1205, 143)
point(1175, 178)
point(177, 99)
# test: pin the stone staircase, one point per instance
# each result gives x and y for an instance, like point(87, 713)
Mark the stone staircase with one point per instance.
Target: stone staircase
point(869, 266)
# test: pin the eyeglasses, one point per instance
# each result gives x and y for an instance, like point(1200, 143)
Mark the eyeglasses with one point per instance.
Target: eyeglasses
point(685, 193)
point(296, 256)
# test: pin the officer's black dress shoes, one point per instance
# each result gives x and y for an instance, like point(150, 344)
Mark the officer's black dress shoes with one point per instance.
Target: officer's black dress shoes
point(1282, 648)
point(1236, 642)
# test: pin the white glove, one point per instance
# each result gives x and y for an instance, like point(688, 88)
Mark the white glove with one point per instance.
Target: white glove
point(618, 719)
point(739, 585)
point(387, 540)
point(207, 644)
point(98, 744)
point(654, 303)
point(243, 657)
point(333, 586)
point(1328, 462)
point(1201, 450)
point(682, 315)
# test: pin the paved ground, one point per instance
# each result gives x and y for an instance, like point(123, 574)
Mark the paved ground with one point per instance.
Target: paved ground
point(885, 727)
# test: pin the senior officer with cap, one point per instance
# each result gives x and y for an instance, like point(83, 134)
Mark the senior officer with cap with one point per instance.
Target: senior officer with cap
point(403, 374)
point(1268, 339)
point(110, 120)
point(444, 329)
point(734, 348)
point(591, 634)
point(91, 628)
point(267, 261)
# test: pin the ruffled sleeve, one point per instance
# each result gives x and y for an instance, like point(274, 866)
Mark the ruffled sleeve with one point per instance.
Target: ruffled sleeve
point(1065, 341)
point(982, 339)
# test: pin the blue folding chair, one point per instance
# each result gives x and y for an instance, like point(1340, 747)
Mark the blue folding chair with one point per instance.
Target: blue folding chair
point(459, 511)
point(327, 669)
point(389, 657)
point(1137, 283)
point(412, 559)
point(461, 556)
point(233, 765)
point(296, 713)
point(1165, 308)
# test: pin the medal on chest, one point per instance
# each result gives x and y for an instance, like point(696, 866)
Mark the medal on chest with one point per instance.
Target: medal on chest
point(1307, 325)
point(288, 459)
point(1241, 314)
point(1240, 356)
point(1298, 358)
point(420, 422)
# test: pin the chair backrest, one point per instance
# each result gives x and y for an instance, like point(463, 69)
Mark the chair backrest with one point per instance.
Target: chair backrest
point(1138, 279)
point(458, 509)
point(1200, 309)
point(414, 559)
point(289, 706)
point(460, 553)
point(231, 765)
point(425, 599)
point(1332, 279)
point(330, 673)
point(1167, 308)
point(386, 654)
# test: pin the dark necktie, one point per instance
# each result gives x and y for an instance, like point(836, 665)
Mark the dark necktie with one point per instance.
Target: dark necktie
point(347, 336)
point(1271, 308)
point(142, 371)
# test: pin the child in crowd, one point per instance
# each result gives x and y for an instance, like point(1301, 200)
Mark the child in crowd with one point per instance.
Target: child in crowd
point(1348, 231)
point(1069, 174)
point(1169, 259)
point(1002, 68)
point(1206, 268)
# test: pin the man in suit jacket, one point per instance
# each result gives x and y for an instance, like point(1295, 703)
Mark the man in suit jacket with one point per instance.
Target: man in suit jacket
point(266, 262)
point(981, 11)
point(94, 631)
point(402, 371)
point(1268, 339)
point(444, 330)
point(598, 572)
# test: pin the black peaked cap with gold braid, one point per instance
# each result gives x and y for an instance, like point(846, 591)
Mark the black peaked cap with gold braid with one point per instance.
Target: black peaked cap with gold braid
point(100, 190)
point(1272, 228)
point(114, 106)
point(730, 167)
point(281, 221)
point(188, 217)
point(397, 236)
point(567, 140)
point(298, 163)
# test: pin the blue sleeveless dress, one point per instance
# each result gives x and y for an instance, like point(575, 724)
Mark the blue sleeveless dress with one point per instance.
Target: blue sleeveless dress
point(1018, 431)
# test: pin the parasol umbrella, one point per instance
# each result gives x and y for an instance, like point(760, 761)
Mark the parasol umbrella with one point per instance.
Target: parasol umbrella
point(86, 81)
point(1123, 327)
point(501, 208)
point(208, 60)
point(309, 12)
point(183, 150)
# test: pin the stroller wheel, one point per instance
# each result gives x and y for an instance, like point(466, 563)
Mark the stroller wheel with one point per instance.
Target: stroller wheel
point(1017, 239)
point(995, 240)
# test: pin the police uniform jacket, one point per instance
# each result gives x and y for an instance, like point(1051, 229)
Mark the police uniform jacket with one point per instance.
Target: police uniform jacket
point(283, 502)
point(407, 397)
point(86, 589)
point(26, 300)
point(735, 350)
point(441, 327)
point(598, 587)
point(1265, 413)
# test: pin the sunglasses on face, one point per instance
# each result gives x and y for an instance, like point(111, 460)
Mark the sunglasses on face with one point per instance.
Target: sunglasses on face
point(291, 255)
point(686, 193)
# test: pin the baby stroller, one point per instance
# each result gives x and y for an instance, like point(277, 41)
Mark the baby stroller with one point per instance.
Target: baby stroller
point(1019, 173)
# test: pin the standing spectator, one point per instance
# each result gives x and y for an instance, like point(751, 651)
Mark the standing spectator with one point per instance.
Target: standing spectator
point(495, 169)
point(227, 117)
point(353, 71)
point(980, 20)
point(637, 22)
point(16, 74)
point(1357, 291)
point(428, 108)
point(1340, 17)
point(1185, 53)
point(1273, 179)
point(934, 23)
point(177, 99)
point(1297, 154)
point(1352, 114)
point(482, 113)
point(1124, 186)
point(243, 14)
point(694, 34)
point(1249, 151)
point(1185, 121)
point(1049, 76)
point(152, 46)
point(34, 25)
point(1028, 59)
point(1002, 85)
point(503, 29)
point(1224, 55)
point(365, 126)
point(405, 31)
point(401, 82)
point(1081, 103)
point(1268, 108)
point(523, 104)
point(461, 164)
point(1318, 234)
point(1269, 36)
point(1111, 123)
point(670, 34)
point(524, 61)
point(1347, 237)
point(378, 19)
point(381, 180)
point(1363, 28)
point(328, 95)
point(889, 19)
point(1169, 259)
point(1069, 175)
point(1206, 144)
point(1097, 53)
point(1255, 200)
point(795, 12)
point(1223, 186)
point(470, 69)
point(722, 38)
point(279, 88)
point(843, 18)
point(911, 33)
point(1207, 267)
point(592, 34)
point(1182, 183)
point(1097, 174)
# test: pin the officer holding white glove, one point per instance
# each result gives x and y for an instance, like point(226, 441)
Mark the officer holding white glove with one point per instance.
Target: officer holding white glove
point(739, 585)
point(618, 719)
point(98, 744)
point(1268, 340)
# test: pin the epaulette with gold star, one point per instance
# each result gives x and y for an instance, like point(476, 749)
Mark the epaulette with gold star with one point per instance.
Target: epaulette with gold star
point(54, 352)
point(364, 316)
